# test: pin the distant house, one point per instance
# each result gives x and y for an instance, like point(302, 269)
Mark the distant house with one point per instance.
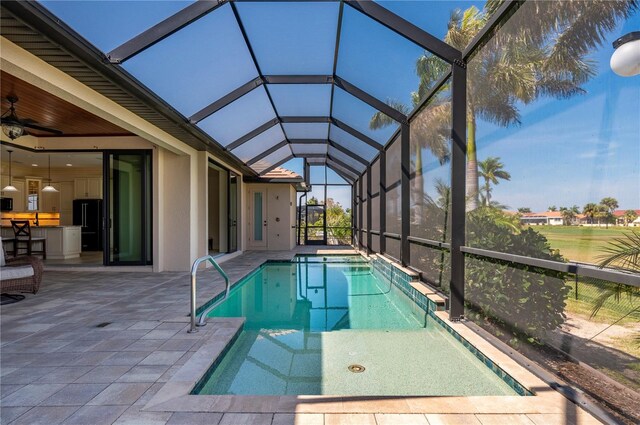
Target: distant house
point(547, 218)
point(621, 221)
point(581, 219)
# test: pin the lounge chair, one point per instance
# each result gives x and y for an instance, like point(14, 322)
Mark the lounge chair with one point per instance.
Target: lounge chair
point(22, 274)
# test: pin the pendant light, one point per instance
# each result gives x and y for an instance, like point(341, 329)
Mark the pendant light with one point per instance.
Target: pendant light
point(48, 187)
point(10, 187)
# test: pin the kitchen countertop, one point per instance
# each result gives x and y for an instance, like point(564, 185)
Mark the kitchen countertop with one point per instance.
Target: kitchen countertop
point(42, 227)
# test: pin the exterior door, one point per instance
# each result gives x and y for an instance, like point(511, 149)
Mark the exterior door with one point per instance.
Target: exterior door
point(257, 219)
point(233, 212)
point(127, 224)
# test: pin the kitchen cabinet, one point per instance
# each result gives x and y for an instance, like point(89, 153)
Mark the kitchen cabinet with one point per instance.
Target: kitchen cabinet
point(51, 200)
point(66, 202)
point(88, 188)
point(19, 198)
point(63, 242)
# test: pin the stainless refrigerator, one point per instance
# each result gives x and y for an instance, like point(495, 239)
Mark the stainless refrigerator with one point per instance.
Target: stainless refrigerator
point(87, 213)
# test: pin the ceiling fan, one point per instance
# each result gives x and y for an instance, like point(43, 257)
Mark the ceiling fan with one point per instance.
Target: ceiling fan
point(15, 127)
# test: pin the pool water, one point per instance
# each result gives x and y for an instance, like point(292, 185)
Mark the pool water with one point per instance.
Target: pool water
point(309, 320)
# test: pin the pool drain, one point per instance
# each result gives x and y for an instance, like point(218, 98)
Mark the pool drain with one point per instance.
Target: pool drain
point(356, 368)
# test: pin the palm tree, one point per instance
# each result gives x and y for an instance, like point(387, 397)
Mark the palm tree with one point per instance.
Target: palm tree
point(430, 133)
point(610, 204)
point(491, 169)
point(602, 213)
point(629, 216)
point(547, 58)
point(567, 215)
point(590, 210)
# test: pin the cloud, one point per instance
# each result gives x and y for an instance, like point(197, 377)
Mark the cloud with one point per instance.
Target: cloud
point(600, 152)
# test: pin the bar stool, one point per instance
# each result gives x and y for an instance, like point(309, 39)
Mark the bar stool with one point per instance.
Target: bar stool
point(7, 241)
point(24, 240)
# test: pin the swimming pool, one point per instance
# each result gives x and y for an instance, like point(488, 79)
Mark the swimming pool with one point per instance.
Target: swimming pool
point(334, 325)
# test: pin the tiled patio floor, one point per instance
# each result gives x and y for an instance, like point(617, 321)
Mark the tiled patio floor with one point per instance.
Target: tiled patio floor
point(60, 363)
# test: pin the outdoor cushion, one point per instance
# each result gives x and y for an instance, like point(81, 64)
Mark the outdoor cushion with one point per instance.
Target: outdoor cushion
point(18, 272)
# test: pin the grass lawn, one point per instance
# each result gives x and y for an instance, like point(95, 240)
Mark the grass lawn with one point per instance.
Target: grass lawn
point(583, 244)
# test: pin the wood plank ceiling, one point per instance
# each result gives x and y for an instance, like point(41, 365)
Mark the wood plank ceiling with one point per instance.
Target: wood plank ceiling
point(51, 111)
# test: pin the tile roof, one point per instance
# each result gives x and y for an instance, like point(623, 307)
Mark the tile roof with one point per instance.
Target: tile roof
point(282, 174)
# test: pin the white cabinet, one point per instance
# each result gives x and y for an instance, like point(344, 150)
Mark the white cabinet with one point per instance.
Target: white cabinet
point(19, 196)
point(63, 242)
point(94, 188)
point(51, 200)
point(88, 188)
point(66, 203)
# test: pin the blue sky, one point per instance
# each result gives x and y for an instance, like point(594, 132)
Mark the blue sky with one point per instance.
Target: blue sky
point(565, 152)
point(573, 151)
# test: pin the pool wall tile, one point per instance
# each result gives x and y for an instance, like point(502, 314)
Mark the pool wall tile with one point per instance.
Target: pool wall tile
point(203, 380)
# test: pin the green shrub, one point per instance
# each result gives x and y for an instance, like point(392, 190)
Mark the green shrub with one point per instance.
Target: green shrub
point(527, 300)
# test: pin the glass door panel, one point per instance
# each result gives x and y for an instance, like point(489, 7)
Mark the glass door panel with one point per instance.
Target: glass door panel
point(128, 201)
point(257, 219)
point(257, 216)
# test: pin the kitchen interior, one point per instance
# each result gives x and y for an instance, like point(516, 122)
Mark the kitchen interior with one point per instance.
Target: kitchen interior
point(52, 175)
point(61, 195)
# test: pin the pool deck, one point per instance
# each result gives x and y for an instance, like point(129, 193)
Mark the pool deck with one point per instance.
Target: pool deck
point(112, 347)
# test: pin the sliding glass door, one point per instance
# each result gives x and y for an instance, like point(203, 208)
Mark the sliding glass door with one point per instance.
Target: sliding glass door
point(233, 211)
point(127, 207)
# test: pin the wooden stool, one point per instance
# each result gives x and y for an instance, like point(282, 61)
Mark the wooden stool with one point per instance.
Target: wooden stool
point(22, 232)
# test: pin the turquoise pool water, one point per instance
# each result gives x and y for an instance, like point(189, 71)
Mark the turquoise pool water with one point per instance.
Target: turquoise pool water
point(309, 320)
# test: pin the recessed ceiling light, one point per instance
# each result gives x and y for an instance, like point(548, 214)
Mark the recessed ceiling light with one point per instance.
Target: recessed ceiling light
point(69, 165)
point(34, 165)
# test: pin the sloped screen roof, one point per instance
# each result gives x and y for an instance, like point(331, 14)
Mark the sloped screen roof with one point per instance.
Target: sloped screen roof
point(270, 81)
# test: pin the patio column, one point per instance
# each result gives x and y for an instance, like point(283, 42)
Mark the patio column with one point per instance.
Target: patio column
point(405, 195)
point(368, 209)
point(383, 200)
point(360, 212)
point(458, 196)
point(353, 214)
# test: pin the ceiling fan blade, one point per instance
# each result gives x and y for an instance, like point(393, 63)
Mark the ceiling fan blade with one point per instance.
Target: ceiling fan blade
point(41, 128)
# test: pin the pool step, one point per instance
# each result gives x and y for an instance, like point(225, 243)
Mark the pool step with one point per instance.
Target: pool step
point(423, 289)
point(439, 301)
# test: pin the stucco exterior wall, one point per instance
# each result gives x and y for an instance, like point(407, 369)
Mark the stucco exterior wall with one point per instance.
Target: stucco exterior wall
point(279, 215)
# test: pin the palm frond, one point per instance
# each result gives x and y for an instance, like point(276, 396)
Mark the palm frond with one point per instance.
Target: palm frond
point(622, 253)
point(431, 129)
point(616, 292)
point(381, 120)
point(499, 109)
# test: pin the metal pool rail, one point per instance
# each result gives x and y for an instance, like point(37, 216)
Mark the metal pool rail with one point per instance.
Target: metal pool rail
point(194, 272)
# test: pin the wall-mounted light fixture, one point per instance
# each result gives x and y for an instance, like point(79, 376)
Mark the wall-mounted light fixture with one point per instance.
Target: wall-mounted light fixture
point(625, 60)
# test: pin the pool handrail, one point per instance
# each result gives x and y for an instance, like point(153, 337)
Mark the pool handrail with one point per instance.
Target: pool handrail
point(194, 272)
